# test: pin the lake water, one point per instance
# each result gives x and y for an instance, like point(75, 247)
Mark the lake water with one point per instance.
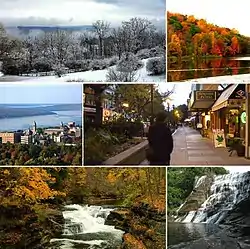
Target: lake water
point(186, 232)
point(202, 68)
point(23, 123)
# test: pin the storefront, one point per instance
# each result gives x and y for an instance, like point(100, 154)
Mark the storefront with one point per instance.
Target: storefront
point(229, 111)
point(89, 114)
point(201, 102)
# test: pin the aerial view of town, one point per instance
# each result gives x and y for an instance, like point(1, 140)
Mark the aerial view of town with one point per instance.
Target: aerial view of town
point(43, 127)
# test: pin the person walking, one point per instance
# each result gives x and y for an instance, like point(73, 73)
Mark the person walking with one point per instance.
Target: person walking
point(160, 141)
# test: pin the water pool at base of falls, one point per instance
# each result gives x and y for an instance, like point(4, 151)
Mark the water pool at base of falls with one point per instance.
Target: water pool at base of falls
point(84, 228)
point(187, 232)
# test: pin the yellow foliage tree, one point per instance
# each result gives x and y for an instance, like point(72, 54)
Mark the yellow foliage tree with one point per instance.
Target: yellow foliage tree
point(19, 186)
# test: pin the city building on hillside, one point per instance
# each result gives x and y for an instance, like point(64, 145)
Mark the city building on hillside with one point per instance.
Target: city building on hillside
point(26, 139)
point(11, 137)
point(53, 131)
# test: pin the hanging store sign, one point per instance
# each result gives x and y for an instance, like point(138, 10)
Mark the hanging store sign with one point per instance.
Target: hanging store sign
point(219, 138)
point(89, 109)
point(205, 95)
point(243, 117)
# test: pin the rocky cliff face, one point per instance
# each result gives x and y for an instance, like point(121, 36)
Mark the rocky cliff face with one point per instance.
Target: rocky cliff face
point(22, 228)
point(144, 226)
point(198, 196)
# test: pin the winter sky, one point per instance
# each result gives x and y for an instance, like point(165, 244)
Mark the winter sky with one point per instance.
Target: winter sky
point(19, 93)
point(231, 14)
point(78, 12)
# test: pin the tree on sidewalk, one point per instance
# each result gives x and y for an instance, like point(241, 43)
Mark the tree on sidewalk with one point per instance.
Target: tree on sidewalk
point(136, 100)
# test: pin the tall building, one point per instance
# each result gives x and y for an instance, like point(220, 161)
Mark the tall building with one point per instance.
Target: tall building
point(26, 139)
point(34, 127)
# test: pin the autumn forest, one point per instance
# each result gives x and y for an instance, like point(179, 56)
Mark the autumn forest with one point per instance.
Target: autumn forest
point(32, 199)
point(188, 36)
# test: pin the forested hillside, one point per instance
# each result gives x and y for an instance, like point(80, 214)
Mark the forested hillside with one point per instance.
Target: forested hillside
point(188, 36)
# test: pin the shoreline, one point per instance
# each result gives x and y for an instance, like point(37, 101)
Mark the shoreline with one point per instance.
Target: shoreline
point(232, 79)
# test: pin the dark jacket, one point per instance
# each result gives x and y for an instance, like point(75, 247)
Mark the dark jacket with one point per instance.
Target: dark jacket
point(160, 141)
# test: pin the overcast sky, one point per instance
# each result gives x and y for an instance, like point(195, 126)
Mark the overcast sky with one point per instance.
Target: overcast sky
point(233, 169)
point(81, 12)
point(181, 92)
point(231, 14)
point(19, 93)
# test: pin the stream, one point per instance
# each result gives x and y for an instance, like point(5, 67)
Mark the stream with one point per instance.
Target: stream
point(84, 228)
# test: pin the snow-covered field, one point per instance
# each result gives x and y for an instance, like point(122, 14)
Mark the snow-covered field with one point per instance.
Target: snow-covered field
point(94, 76)
point(233, 79)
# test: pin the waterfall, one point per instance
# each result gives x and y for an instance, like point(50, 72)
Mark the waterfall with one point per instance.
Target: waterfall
point(86, 225)
point(225, 193)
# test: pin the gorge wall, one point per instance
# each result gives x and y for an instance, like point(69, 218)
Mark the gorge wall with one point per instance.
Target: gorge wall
point(144, 226)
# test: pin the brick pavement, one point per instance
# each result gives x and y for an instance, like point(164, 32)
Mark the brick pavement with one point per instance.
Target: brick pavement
point(190, 148)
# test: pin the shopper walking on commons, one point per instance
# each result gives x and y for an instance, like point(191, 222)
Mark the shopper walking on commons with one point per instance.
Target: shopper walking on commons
point(160, 141)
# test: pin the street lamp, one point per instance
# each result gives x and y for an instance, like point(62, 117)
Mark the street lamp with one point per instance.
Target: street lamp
point(125, 105)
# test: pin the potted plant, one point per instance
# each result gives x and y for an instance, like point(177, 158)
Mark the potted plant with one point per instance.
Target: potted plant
point(241, 148)
point(237, 145)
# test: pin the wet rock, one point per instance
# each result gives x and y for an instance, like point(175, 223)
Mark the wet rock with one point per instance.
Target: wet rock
point(130, 242)
point(25, 229)
point(119, 218)
point(144, 226)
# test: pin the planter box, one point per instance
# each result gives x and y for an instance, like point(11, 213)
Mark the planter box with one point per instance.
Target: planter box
point(241, 150)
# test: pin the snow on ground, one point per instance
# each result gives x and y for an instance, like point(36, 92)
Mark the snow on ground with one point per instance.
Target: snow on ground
point(233, 79)
point(1, 74)
point(98, 75)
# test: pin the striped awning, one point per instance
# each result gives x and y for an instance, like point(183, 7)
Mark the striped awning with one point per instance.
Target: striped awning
point(222, 101)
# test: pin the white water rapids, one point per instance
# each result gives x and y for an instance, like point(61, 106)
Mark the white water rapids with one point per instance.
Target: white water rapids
point(84, 228)
point(226, 191)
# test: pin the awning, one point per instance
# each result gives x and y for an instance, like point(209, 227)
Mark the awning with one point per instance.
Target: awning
point(221, 102)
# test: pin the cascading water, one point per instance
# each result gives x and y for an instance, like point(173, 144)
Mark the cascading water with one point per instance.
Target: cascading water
point(226, 191)
point(84, 228)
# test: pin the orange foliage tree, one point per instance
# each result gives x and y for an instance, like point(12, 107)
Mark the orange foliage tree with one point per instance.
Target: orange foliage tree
point(192, 37)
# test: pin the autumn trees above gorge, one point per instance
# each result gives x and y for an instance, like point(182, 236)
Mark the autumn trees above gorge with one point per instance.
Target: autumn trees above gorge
point(188, 36)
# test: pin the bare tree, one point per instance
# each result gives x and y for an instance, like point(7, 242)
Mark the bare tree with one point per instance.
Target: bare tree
point(117, 38)
point(31, 50)
point(101, 29)
point(135, 32)
point(89, 42)
point(56, 46)
point(9, 47)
